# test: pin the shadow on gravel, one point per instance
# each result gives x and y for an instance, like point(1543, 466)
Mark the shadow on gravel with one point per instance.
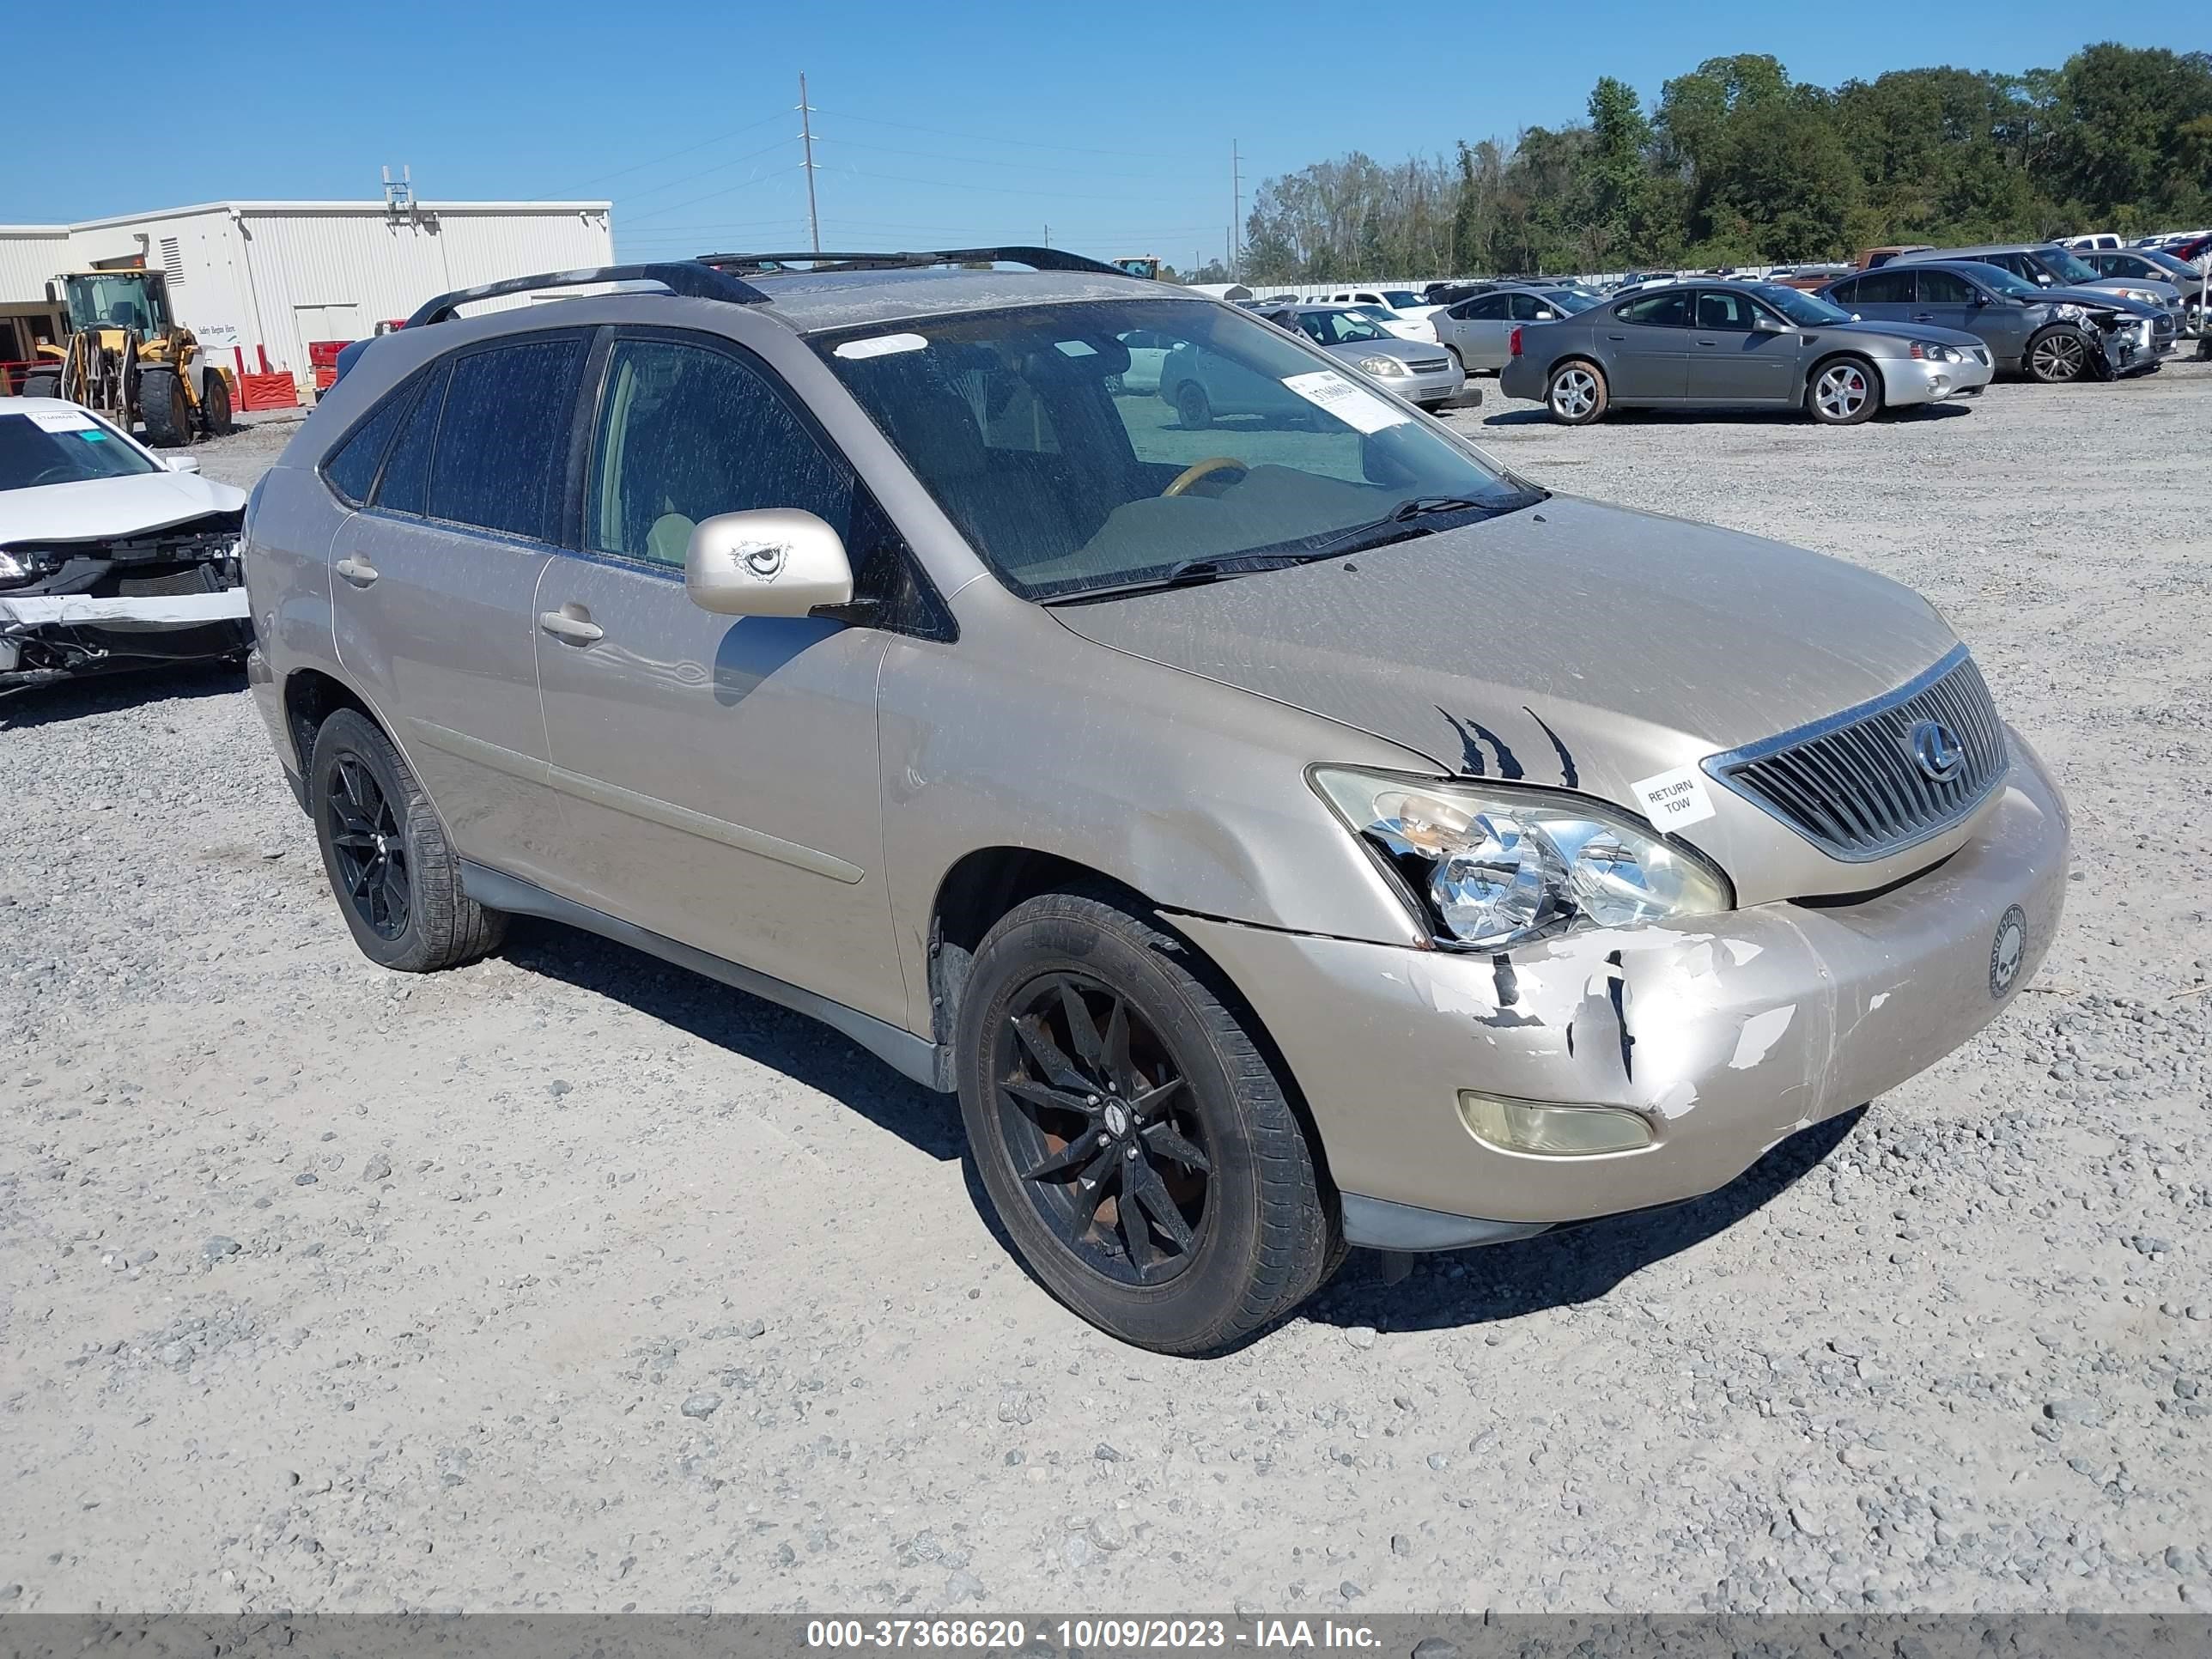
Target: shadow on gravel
point(801, 1048)
point(1562, 1269)
point(104, 693)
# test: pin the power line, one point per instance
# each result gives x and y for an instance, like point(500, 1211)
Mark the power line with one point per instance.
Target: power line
point(677, 207)
point(655, 160)
point(718, 166)
point(996, 190)
point(983, 161)
point(993, 138)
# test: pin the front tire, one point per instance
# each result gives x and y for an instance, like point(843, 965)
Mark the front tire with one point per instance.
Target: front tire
point(398, 884)
point(214, 407)
point(1843, 392)
point(2058, 356)
point(1193, 407)
point(163, 407)
point(43, 383)
point(1135, 1140)
point(1577, 393)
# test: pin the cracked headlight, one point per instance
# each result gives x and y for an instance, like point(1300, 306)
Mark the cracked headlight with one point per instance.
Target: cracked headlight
point(1382, 366)
point(1493, 865)
point(15, 570)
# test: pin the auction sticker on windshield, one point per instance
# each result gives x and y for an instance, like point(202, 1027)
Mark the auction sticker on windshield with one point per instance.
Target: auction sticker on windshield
point(1361, 410)
point(62, 420)
point(881, 345)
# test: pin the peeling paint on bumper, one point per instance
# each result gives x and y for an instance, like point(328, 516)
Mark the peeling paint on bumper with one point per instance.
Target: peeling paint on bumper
point(1729, 1033)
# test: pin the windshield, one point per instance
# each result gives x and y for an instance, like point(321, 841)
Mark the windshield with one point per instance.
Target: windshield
point(2171, 268)
point(1570, 299)
point(1374, 313)
point(1799, 307)
point(2065, 266)
point(1996, 277)
point(62, 446)
point(114, 302)
point(1067, 474)
point(1400, 297)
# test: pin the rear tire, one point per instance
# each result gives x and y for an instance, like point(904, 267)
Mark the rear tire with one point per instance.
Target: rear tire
point(2058, 356)
point(162, 406)
point(1219, 1251)
point(398, 884)
point(1193, 407)
point(1576, 394)
point(214, 407)
point(1843, 391)
point(43, 383)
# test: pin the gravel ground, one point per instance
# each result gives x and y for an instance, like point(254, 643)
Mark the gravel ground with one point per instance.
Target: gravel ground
point(566, 1280)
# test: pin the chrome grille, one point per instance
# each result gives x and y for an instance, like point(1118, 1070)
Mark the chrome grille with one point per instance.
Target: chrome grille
point(1429, 365)
point(1850, 785)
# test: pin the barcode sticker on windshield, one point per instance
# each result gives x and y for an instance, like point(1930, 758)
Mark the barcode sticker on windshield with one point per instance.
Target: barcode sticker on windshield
point(62, 420)
point(1358, 409)
point(880, 345)
point(1674, 800)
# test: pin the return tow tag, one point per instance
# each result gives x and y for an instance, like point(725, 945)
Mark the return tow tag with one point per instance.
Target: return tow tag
point(1674, 800)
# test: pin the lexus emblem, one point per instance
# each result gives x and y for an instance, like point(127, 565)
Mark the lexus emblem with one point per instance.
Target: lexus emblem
point(1936, 751)
point(764, 559)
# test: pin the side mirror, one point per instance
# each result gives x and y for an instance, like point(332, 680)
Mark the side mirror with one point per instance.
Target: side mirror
point(774, 561)
point(2043, 279)
point(1978, 298)
point(1767, 325)
point(181, 463)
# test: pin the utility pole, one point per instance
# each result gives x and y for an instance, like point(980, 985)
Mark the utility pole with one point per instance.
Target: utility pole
point(1236, 204)
point(1048, 235)
point(806, 137)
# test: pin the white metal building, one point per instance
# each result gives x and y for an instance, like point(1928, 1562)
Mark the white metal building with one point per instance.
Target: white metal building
point(280, 275)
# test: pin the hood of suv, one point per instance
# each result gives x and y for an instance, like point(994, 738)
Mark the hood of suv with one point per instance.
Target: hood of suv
point(1566, 644)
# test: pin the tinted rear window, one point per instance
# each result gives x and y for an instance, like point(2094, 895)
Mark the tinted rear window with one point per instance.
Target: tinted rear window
point(352, 470)
point(407, 466)
point(504, 443)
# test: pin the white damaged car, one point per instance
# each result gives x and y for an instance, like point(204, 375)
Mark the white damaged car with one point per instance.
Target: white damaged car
point(111, 557)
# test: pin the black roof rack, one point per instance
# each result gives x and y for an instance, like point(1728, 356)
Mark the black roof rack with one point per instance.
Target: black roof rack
point(1036, 259)
point(688, 278)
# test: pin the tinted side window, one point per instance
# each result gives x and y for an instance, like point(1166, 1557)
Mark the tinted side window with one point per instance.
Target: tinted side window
point(503, 444)
point(352, 470)
point(406, 483)
point(1526, 307)
point(1943, 287)
point(1890, 286)
point(1724, 312)
point(1844, 294)
point(1490, 308)
point(1667, 310)
point(685, 433)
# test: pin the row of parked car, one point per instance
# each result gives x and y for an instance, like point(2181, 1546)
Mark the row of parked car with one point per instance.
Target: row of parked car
point(1917, 325)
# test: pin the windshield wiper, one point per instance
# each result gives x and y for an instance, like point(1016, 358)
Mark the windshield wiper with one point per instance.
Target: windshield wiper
point(1184, 572)
point(1399, 524)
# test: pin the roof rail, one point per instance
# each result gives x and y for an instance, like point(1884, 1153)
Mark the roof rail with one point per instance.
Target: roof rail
point(1036, 259)
point(688, 278)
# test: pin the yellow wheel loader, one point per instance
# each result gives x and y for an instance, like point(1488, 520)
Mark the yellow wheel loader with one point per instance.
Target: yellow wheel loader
point(125, 356)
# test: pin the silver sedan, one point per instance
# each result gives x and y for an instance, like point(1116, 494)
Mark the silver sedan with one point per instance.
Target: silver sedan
point(1416, 370)
point(1712, 344)
point(1478, 332)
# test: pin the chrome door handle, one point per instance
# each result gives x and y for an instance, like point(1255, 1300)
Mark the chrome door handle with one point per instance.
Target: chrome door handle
point(561, 625)
point(1616, 336)
point(360, 572)
point(1708, 343)
point(1923, 317)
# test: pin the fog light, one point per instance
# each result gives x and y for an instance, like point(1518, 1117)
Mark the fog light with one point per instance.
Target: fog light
point(1548, 1131)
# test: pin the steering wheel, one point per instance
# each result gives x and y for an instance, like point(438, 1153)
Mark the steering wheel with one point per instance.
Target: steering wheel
point(1190, 475)
point(59, 472)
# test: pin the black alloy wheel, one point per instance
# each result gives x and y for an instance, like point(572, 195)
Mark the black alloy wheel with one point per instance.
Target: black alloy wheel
point(1096, 1115)
point(372, 850)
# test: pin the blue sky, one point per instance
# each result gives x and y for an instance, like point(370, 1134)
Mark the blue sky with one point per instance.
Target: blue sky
point(1110, 123)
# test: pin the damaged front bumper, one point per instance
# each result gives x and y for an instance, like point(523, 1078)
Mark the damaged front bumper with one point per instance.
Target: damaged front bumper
point(89, 610)
point(1726, 1034)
